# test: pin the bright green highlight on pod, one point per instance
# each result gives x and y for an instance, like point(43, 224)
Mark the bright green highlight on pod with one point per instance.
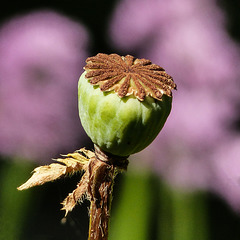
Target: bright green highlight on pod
point(120, 126)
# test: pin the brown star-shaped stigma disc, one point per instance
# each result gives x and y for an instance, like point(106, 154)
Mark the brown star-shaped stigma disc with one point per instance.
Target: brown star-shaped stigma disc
point(128, 75)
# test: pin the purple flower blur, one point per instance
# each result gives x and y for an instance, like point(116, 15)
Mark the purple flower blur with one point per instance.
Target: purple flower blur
point(41, 57)
point(197, 148)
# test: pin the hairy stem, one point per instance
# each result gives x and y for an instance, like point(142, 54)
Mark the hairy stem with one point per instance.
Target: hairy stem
point(100, 209)
point(102, 171)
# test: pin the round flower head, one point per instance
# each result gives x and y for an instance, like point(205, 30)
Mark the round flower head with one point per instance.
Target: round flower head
point(123, 102)
point(41, 54)
point(206, 61)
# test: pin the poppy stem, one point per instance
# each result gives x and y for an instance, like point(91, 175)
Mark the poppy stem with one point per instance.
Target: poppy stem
point(102, 172)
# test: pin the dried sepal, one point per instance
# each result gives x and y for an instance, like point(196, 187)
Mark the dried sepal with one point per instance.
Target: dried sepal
point(44, 174)
point(73, 162)
point(77, 195)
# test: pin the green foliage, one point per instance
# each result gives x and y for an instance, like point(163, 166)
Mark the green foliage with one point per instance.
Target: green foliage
point(13, 205)
point(146, 209)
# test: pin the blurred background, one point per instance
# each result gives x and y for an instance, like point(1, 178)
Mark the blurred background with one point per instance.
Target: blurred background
point(186, 184)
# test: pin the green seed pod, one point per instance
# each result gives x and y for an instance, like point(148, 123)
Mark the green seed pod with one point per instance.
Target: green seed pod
point(123, 102)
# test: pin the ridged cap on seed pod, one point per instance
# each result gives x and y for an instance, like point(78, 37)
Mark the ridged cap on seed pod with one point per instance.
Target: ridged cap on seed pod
point(123, 102)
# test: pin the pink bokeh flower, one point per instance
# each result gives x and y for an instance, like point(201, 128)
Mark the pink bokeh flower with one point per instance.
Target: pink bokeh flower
point(41, 57)
point(188, 38)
